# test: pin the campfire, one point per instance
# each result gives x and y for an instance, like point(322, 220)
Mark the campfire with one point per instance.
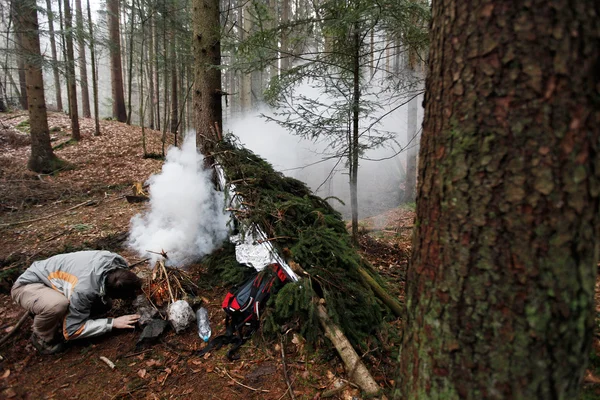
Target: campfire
point(167, 293)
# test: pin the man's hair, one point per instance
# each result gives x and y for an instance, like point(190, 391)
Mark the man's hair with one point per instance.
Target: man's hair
point(122, 284)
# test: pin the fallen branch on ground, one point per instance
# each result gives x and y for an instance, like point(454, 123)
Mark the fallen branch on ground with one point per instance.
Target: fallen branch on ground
point(285, 372)
point(15, 329)
point(85, 203)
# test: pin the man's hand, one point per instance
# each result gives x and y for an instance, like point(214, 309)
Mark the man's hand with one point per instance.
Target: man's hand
point(125, 321)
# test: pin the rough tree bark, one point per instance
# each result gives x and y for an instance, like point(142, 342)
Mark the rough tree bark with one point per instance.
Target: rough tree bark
point(42, 158)
point(83, 77)
point(500, 288)
point(207, 83)
point(70, 67)
point(116, 70)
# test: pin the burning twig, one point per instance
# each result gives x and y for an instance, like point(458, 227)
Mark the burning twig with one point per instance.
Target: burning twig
point(164, 269)
point(162, 253)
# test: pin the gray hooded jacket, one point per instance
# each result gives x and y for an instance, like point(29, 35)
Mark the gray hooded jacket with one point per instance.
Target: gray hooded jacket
point(80, 277)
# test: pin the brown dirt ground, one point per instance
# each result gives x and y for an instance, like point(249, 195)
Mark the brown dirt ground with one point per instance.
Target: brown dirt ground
point(42, 215)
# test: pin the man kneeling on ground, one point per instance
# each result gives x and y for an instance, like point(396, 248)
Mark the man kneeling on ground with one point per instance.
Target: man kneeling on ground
point(62, 291)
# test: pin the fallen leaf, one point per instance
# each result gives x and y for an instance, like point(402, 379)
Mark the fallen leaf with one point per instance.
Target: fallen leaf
point(142, 373)
point(197, 362)
point(6, 374)
point(152, 362)
point(9, 393)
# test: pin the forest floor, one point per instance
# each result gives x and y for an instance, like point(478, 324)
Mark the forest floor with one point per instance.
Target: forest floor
point(84, 207)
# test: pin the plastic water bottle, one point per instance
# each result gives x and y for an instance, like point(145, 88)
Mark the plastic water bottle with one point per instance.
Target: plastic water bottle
point(203, 324)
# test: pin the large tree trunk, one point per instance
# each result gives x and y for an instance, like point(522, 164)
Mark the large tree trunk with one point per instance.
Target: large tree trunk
point(71, 83)
point(500, 289)
point(116, 69)
point(85, 94)
point(207, 84)
point(42, 159)
point(57, 86)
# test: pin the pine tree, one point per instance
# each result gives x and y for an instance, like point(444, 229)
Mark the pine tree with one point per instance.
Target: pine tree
point(500, 287)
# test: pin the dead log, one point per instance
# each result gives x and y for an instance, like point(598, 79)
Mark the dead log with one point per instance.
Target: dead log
point(380, 292)
point(354, 366)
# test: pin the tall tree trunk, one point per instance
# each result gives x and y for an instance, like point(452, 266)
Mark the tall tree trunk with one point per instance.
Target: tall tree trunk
point(166, 114)
point(174, 88)
point(207, 83)
point(156, 99)
point(116, 69)
point(57, 86)
point(411, 153)
point(284, 49)
point(130, 67)
point(245, 78)
point(354, 144)
point(42, 158)
point(70, 67)
point(21, 68)
point(150, 67)
point(85, 95)
point(500, 288)
point(142, 62)
point(94, 72)
point(64, 49)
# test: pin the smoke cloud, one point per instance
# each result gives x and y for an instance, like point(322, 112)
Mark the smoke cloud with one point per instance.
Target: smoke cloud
point(186, 218)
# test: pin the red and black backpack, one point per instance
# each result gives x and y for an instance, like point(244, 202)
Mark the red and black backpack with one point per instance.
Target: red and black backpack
point(243, 308)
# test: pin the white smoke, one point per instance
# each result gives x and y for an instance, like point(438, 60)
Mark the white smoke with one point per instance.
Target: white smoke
point(186, 218)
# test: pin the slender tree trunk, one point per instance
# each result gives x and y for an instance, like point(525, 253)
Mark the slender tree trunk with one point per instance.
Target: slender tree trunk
point(63, 39)
point(70, 66)
point(411, 154)
point(284, 52)
point(21, 69)
point(156, 75)
point(165, 86)
point(85, 95)
point(142, 62)
point(119, 111)
point(130, 67)
point(500, 288)
point(42, 158)
point(245, 78)
point(94, 72)
point(174, 88)
point(354, 145)
point(208, 117)
point(57, 85)
point(150, 66)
